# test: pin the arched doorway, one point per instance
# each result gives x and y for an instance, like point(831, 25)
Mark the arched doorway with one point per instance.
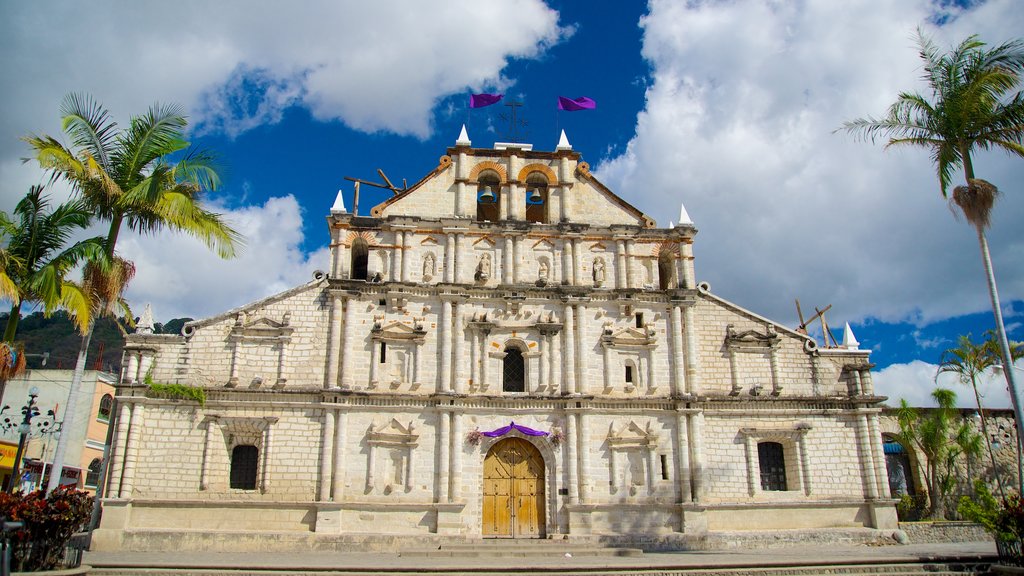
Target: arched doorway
point(513, 505)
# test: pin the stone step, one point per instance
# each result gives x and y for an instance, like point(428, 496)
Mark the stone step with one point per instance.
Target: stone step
point(514, 549)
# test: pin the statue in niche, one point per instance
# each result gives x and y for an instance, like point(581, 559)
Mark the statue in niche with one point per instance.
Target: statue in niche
point(483, 268)
point(428, 267)
point(599, 272)
point(542, 272)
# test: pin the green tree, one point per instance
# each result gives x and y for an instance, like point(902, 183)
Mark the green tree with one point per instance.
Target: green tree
point(936, 436)
point(39, 259)
point(969, 361)
point(127, 178)
point(974, 105)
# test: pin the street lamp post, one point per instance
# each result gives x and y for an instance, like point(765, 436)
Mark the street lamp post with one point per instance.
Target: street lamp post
point(29, 411)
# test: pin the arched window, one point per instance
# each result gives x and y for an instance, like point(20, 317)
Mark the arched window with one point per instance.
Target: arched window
point(244, 459)
point(92, 477)
point(537, 198)
point(514, 371)
point(360, 255)
point(897, 465)
point(488, 198)
point(666, 269)
point(772, 461)
point(106, 407)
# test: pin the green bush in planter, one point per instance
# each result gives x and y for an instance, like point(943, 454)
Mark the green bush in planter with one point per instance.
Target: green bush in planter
point(1003, 520)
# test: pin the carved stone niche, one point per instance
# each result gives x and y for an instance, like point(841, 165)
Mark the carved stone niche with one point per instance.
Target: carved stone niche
point(754, 343)
point(395, 348)
point(392, 445)
point(629, 352)
point(631, 450)
point(262, 332)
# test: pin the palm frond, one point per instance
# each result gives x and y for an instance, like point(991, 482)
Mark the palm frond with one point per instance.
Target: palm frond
point(89, 125)
point(975, 201)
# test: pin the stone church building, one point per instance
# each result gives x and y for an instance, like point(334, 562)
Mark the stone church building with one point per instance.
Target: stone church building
point(505, 349)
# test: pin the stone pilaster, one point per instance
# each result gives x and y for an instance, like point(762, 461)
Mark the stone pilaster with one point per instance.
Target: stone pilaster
point(569, 366)
point(338, 475)
point(326, 454)
point(131, 455)
point(682, 453)
point(348, 351)
point(445, 339)
point(459, 344)
point(677, 383)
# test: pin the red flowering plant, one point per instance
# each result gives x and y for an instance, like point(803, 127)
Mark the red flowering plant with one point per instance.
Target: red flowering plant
point(49, 523)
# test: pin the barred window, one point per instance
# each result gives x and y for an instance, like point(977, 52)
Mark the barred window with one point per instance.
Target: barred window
point(514, 372)
point(772, 461)
point(244, 459)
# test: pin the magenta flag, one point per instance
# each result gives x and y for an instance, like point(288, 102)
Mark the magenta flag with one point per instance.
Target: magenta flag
point(573, 105)
point(481, 100)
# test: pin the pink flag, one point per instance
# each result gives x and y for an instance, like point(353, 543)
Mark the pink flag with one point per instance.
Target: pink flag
point(573, 105)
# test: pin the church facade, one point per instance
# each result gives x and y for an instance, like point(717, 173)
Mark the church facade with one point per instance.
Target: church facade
point(506, 349)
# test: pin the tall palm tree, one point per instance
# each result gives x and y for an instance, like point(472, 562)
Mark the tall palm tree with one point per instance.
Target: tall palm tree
point(126, 176)
point(38, 258)
point(973, 106)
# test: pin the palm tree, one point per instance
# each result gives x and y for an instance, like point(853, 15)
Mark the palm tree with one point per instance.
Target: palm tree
point(37, 258)
point(929, 433)
point(969, 361)
point(972, 107)
point(126, 177)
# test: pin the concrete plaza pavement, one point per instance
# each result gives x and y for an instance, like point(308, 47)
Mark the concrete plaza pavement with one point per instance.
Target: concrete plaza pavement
point(372, 562)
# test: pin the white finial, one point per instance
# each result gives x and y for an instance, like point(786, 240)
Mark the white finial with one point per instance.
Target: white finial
point(463, 138)
point(671, 224)
point(684, 217)
point(339, 204)
point(849, 340)
point(145, 323)
point(563, 143)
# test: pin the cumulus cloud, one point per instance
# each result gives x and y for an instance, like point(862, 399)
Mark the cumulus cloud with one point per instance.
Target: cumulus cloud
point(180, 277)
point(914, 382)
point(738, 125)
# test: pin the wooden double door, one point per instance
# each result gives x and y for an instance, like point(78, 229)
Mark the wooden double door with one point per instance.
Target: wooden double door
point(513, 503)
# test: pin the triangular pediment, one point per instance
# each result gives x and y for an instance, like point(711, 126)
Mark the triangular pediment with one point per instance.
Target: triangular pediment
point(751, 338)
point(250, 326)
point(544, 245)
point(628, 336)
point(392, 433)
point(396, 330)
point(429, 241)
point(484, 243)
point(631, 435)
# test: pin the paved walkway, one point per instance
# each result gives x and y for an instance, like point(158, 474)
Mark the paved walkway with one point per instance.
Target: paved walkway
point(394, 561)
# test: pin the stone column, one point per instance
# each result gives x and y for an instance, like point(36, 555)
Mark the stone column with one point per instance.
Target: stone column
point(565, 178)
point(212, 424)
point(485, 366)
point(460, 193)
point(582, 354)
point(506, 191)
point(506, 258)
point(607, 349)
point(456, 470)
point(805, 464)
point(132, 372)
point(334, 341)
point(233, 377)
point(445, 340)
point(620, 264)
point(750, 450)
point(517, 260)
point(575, 261)
point(875, 439)
point(569, 365)
point(683, 459)
point(697, 455)
point(347, 344)
point(677, 384)
point(444, 441)
point(686, 252)
point(119, 451)
point(868, 385)
point(583, 477)
point(542, 371)
point(406, 255)
point(460, 255)
point(459, 336)
point(631, 277)
point(268, 448)
point(570, 457)
point(567, 262)
point(692, 361)
point(282, 361)
point(855, 376)
point(396, 259)
point(374, 362)
point(131, 455)
point(773, 363)
point(371, 468)
point(326, 455)
point(867, 465)
point(449, 254)
point(340, 464)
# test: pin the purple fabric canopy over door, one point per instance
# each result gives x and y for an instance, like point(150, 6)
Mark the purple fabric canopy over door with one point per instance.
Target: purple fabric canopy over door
point(513, 426)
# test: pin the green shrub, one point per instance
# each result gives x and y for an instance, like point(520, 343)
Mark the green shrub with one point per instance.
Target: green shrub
point(50, 522)
point(912, 508)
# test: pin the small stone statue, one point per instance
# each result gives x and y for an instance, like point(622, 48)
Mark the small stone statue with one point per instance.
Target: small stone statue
point(542, 272)
point(483, 269)
point(428, 267)
point(599, 273)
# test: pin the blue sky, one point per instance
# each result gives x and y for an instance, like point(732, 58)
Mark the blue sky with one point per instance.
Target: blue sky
point(726, 107)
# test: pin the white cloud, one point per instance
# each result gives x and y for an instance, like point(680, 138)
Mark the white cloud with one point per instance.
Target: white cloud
point(915, 382)
point(739, 125)
point(181, 277)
